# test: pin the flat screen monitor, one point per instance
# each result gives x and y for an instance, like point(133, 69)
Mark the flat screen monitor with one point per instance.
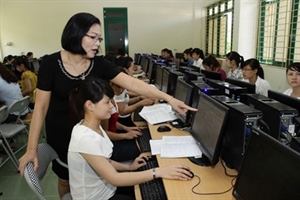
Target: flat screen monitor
point(285, 99)
point(250, 87)
point(211, 74)
point(165, 81)
point(144, 63)
point(159, 76)
point(137, 58)
point(208, 129)
point(151, 71)
point(35, 65)
point(184, 92)
point(269, 170)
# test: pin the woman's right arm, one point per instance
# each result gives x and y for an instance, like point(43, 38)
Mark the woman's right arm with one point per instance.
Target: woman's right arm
point(40, 109)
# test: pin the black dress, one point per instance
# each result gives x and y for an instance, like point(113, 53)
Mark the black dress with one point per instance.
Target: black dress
point(53, 77)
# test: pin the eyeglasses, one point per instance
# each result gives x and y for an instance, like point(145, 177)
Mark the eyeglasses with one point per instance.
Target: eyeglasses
point(95, 38)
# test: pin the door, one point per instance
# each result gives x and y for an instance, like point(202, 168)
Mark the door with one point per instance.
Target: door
point(115, 29)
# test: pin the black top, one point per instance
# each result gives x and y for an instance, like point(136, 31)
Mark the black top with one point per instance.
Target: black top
point(53, 77)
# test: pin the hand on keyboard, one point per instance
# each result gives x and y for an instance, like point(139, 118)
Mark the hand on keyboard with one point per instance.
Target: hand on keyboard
point(132, 134)
point(139, 162)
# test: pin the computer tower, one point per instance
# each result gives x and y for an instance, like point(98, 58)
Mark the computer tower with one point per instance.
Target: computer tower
point(192, 76)
point(278, 116)
point(200, 86)
point(241, 118)
point(228, 89)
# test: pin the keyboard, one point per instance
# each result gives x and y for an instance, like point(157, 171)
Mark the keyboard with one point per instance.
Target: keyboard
point(153, 189)
point(143, 140)
point(136, 116)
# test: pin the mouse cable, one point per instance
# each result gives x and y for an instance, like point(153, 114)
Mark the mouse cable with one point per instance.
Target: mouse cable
point(225, 170)
point(210, 193)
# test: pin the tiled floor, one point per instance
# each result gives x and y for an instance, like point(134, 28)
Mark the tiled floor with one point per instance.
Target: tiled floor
point(15, 187)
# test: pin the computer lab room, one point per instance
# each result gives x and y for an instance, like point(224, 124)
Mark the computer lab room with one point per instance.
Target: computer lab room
point(145, 100)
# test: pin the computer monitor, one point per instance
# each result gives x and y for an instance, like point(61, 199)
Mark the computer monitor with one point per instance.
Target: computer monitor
point(250, 87)
point(208, 128)
point(144, 63)
point(269, 170)
point(35, 65)
point(285, 99)
point(159, 76)
point(173, 77)
point(165, 80)
point(183, 92)
point(137, 58)
point(151, 71)
point(211, 74)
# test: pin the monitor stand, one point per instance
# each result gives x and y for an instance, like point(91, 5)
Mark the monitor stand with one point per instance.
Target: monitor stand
point(203, 161)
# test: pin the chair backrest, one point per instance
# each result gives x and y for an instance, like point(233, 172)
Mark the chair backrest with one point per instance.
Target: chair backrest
point(19, 106)
point(45, 154)
point(3, 113)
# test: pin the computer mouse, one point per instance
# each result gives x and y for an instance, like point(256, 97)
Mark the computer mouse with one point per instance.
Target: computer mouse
point(163, 129)
point(189, 172)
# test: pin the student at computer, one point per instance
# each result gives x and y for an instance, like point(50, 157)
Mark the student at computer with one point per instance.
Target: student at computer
point(126, 104)
point(233, 62)
point(187, 55)
point(251, 68)
point(93, 175)
point(169, 55)
point(125, 146)
point(163, 52)
point(293, 79)
point(210, 63)
point(28, 78)
point(198, 57)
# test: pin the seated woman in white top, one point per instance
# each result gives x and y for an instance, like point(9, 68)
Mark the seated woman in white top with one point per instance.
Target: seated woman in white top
point(93, 175)
point(198, 57)
point(293, 79)
point(233, 61)
point(251, 69)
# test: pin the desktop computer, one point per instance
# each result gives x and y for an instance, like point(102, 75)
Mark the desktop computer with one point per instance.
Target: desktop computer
point(193, 76)
point(169, 80)
point(232, 91)
point(241, 119)
point(201, 87)
point(279, 117)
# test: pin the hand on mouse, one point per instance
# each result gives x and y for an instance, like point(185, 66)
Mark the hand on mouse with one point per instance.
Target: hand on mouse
point(179, 172)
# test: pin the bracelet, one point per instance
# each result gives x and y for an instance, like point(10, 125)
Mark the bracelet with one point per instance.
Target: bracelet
point(170, 99)
point(153, 173)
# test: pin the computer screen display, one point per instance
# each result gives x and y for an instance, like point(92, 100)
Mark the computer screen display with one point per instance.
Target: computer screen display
point(184, 92)
point(144, 63)
point(285, 99)
point(250, 87)
point(269, 170)
point(165, 81)
point(150, 71)
point(211, 74)
point(208, 128)
point(159, 76)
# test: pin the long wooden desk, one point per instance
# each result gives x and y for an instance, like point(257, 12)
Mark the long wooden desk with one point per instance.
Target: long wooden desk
point(213, 180)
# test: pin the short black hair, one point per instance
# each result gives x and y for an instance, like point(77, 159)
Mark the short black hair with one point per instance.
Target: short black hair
point(75, 29)
point(293, 67)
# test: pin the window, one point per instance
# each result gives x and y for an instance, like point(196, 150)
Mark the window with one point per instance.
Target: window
point(219, 28)
point(278, 41)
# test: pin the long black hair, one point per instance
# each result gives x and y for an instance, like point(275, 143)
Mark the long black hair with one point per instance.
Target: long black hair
point(92, 89)
point(233, 55)
point(254, 64)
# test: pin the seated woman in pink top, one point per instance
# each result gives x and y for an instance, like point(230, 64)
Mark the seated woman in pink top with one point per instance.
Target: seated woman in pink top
point(210, 63)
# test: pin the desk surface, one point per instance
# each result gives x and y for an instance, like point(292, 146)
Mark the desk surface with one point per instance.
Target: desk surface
point(213, 180)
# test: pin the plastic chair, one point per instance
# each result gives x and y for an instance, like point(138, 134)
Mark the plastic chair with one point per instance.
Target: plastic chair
point(45, 155)
point(9, 131)
point(19, 106)
point(11, 156)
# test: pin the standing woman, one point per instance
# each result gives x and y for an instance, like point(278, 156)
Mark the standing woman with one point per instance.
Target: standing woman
point(198, 57)
point(251, 70)
point(28, 78)
point(210, 63)
point(64, 70)
point(293, 79)
point(233, 62)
